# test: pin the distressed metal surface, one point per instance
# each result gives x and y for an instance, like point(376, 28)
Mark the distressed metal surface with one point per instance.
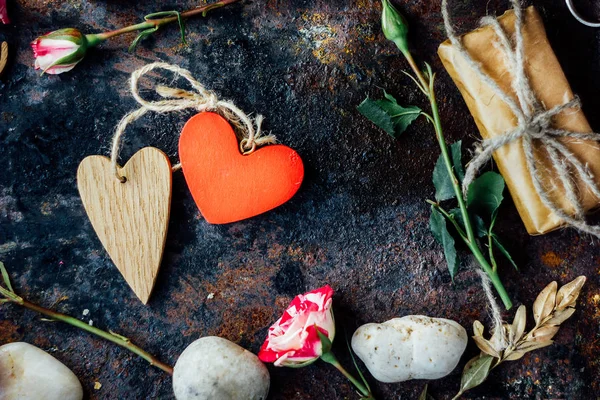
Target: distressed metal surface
point(359, 222)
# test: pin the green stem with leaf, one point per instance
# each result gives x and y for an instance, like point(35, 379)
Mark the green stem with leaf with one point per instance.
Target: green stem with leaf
point(468, 235)
point(9, 296)
point(364, 391)
point(327, 356)
point(152, 23)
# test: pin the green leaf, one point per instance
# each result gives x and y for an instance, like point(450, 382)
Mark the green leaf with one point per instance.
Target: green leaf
point(485, 194)
point(476, 371)
point(142, 35)
point(362, 377)
point(476, 222)
point(424, 395)
point(325, 342)
point(388, 115)
point(162, 14)
point(5, 277)
point(370, 109)
point(389, 97)
point(503, 250)
point(456, 151)
point(437, 224)
point(444, 190)
point(302, 365)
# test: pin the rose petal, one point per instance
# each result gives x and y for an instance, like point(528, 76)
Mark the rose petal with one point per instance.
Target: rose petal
point(4, 13)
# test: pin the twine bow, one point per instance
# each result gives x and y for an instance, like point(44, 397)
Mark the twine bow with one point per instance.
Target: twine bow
point(535, 125)
point(175, 99)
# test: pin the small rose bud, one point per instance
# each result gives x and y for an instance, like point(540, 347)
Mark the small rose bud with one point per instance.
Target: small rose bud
point(293, 341)
point(3, 13)
point(394, 26)
point(59, 51)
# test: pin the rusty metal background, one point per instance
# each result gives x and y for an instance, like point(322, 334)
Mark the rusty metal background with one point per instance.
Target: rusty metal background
point(359, 222)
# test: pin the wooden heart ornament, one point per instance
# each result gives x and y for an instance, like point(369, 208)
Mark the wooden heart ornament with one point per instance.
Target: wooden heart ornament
point(130, 218)
point(227, 185)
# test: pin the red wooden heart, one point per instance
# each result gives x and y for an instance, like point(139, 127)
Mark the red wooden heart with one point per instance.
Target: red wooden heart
point(227, 185)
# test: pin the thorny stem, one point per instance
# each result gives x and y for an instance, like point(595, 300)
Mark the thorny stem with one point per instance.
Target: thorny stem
point(330, 358)
point(470, 239)
point(156, 23)
point(119, 340)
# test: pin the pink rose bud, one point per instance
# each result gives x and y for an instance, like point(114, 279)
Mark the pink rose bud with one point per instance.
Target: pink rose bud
point(293, 340)
point(59, 51)
point(3, 13)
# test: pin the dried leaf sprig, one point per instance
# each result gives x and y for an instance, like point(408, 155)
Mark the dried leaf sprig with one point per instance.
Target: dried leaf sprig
point(552, 307)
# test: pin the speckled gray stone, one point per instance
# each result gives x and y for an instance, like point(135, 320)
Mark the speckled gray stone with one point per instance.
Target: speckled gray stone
point(411, 347)
point(214, 368)
point(27, 372)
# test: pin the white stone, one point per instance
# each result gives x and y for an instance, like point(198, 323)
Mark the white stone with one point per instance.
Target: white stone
point(213, 368)
point(411, 347)
point(27, 372)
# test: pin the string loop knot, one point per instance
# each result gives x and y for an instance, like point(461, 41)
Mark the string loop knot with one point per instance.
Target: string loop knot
point(176, 99)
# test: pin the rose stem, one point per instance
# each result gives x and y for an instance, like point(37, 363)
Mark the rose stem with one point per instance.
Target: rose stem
point(100, 37)
point(116, 339)
point(470, 240)
point(330, 358)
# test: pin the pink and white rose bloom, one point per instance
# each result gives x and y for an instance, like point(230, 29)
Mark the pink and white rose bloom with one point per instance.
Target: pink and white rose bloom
point(293, 340)
point(4, 13)
point(59, 51)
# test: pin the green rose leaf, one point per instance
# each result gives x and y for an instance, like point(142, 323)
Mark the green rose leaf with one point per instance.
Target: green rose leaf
point(388, 115)
point(476, 372)
point(377, 115)
point(485, 194)
point(437, 224)
point(325, 342)
point(503, 250)
point(476, 222)
point(441, 179)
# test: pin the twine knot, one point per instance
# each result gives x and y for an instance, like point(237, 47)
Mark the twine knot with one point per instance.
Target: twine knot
point(537, 128)
point(534, 123)
point(200, 99)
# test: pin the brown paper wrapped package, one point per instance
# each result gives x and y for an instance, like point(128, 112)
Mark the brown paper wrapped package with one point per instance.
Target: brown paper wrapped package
point(493, 117)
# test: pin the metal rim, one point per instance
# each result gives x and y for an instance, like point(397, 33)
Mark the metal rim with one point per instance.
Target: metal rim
point(579, 17)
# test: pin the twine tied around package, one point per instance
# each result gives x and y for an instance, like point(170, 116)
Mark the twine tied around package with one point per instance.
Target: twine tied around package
point(535, 124)
point(175, 99)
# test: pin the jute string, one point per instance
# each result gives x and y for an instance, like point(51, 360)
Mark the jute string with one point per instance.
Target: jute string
point(499, 341)
point(535, 125)
point(175, 99)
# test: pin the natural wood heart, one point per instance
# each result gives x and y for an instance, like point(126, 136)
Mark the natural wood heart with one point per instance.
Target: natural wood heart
point(227, 185)
point(130, 218)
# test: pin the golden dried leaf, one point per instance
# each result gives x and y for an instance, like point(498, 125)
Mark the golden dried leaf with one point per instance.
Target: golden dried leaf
point(567, 295)
point(544, 333)
point(478, 328)
point(530, 346)
point(3, 56)
point(544, 304)
point(499, 339)
point(518, 326)
point(485, 346)
point(560, 316)
point(514, 355)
